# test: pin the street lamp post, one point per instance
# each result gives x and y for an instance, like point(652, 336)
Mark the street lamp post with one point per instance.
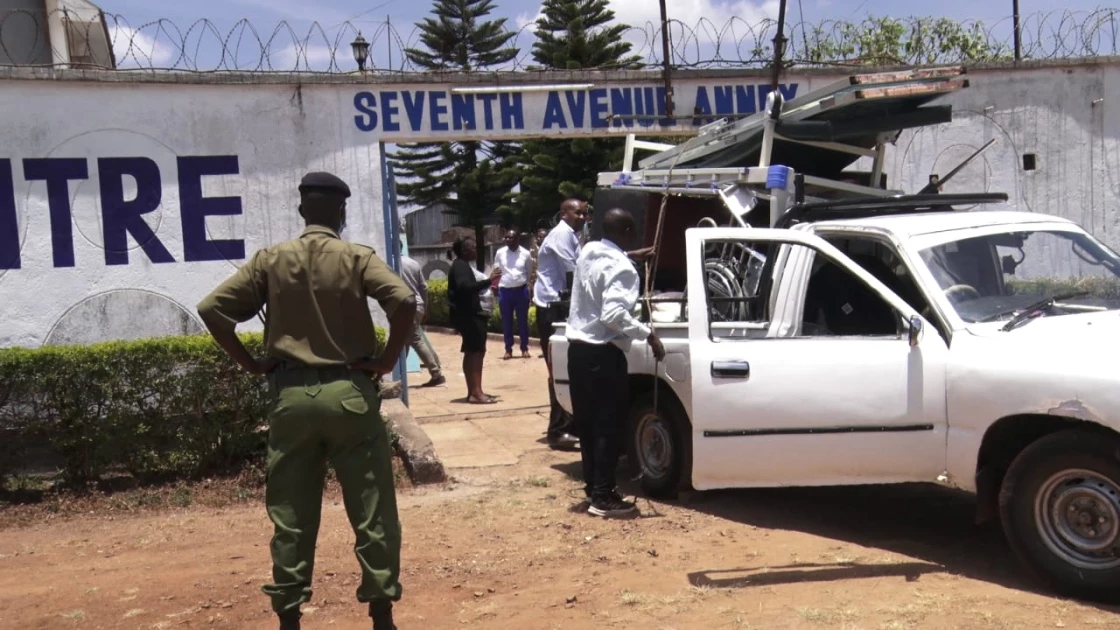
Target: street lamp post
point(360, 47)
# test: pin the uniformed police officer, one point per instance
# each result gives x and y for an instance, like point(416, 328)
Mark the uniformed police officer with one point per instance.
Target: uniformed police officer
point(319, 357)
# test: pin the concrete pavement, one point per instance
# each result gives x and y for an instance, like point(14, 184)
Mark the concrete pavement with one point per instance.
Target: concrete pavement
point(481, 436)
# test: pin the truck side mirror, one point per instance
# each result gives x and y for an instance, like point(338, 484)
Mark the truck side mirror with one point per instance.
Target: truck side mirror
point(915, 330)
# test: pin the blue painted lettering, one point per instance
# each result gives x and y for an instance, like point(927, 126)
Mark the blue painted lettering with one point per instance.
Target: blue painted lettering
point(57, 173)
point(577, 102)
point(554, 112)
point(365, 103)
point(599, 108)
point(194, 208)
point(725, 104)
point(414, 108)
point(9, 223)
point(389, 111)
point(513, 115)
point(437, 110)
point(488, 109)
point(744, 99)
point(462, 111)
point(622, 107)
point(121, 218)
point(703, 109)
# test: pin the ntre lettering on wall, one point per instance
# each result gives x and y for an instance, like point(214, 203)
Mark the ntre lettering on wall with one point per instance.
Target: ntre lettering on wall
point(121, 216)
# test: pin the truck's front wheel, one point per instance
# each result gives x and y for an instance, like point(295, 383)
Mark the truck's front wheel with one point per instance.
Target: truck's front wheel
point(1060, 507)
point(657, 445)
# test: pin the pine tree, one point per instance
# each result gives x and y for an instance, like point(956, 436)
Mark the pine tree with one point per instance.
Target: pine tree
point(571, 35)
point(457, 38)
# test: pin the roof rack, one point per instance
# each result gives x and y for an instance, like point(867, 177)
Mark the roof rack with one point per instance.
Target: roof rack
point(883, 206)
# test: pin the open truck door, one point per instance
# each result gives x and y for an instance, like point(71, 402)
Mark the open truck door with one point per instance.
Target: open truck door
point(827, 378)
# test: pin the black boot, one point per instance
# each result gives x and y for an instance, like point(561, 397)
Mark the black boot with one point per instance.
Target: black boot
point(382, 614)
point(289, 620)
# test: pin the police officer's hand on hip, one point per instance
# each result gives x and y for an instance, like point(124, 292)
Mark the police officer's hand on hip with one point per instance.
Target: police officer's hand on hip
point(320, 353)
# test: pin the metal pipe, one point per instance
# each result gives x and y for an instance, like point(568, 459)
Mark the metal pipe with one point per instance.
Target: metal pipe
point(666, 60)
point(1018, 30)
point(779, 45)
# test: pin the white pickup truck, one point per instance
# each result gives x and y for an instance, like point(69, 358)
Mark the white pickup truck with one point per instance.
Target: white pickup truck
point(907, 343)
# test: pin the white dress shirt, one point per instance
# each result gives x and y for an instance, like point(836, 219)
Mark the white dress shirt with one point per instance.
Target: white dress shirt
point(556, 257)
point(515, 266)
point(604, 292)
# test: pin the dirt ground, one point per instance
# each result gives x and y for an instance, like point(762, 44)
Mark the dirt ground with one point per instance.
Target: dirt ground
point(501, 547)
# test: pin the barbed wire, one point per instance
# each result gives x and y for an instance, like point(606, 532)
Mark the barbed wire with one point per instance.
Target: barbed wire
point(109, 41)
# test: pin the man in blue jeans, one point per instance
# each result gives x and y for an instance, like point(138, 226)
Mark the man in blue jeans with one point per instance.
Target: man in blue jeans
point(516, 263)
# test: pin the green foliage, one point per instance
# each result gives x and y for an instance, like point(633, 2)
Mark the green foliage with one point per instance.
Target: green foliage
point(456, 39)
point(467, 176)
point(439, 312)
point(578, 34)
point(155, 409)
point(571, 35)
point(887, 41)
point(1102, 288)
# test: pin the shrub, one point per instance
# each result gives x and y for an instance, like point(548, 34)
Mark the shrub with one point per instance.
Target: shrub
point(439, 312)
point(156, 408)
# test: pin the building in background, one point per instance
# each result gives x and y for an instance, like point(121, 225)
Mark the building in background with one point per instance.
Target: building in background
point(431, 231)
point(59, 33)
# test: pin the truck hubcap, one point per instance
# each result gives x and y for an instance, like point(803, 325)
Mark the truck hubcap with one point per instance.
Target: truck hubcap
point(1077, 512)
point(655, 446)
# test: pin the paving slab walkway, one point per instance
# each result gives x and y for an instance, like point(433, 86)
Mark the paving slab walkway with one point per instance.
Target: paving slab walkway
point(481, 436)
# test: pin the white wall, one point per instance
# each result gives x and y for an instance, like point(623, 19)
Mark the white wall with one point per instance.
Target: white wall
point(279, 132)
point(1068, 116)
point(275, 133)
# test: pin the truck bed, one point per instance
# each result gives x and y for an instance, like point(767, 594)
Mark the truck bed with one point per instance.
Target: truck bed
point(674, 371)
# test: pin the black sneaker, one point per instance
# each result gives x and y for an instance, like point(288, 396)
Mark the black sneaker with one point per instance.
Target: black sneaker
point(612, 506)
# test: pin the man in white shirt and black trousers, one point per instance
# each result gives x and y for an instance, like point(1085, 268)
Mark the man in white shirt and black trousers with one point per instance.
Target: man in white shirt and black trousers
point(600, 331)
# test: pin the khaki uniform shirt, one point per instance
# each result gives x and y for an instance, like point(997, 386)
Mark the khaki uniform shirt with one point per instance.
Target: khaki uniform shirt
point(316, 288)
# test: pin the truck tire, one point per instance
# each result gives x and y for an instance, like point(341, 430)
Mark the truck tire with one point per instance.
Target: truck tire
point(657, 445)
point(1060, 509)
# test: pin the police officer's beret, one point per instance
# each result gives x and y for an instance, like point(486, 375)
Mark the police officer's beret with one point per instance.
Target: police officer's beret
point(324, 182)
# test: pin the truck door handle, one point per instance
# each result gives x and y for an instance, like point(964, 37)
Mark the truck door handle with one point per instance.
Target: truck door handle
point(731, 369)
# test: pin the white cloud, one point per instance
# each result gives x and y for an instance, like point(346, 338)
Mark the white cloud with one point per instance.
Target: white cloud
point(526, 19)
point(310, 57)
point(640, 13)
point(133, 48)
point(644, 17)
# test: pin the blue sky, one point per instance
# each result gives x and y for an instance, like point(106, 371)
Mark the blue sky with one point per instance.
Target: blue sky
point(289, 23)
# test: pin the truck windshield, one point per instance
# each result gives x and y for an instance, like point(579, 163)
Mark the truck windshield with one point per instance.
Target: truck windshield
point(991, 278)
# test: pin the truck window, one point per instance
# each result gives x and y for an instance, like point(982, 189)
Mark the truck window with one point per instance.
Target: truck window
point(838, 303)
point(835, 301)
point(881, 260)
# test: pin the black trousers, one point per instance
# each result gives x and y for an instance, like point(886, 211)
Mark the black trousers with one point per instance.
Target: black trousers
point(600, 398)
point(559, 421)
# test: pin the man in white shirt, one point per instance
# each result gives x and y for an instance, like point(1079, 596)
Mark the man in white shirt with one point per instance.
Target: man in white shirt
point(600, 331)
point(555, 258)
point(516, 264)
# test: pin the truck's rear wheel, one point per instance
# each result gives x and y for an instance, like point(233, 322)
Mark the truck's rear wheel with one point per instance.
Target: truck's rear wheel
point(1060, 507)
point(657, 445)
